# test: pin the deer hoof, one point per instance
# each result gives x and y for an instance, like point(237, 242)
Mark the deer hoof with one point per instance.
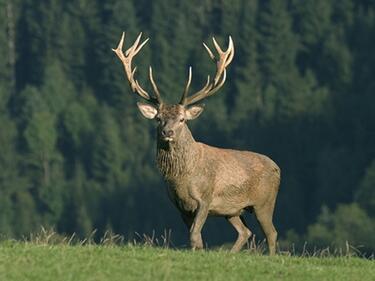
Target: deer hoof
point(196, 242)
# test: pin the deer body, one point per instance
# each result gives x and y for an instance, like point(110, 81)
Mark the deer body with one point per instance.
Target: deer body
point(204, 180)
point(228, 180)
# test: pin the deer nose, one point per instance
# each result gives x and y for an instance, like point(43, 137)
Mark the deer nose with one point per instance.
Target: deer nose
point(167, 133)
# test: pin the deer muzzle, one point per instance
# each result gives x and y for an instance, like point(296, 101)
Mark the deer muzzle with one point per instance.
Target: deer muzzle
point(167, 134)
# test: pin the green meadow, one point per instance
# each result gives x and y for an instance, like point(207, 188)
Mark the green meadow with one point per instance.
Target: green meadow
point(33, 261)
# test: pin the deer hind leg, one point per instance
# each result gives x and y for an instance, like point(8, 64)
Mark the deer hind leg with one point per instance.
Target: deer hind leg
point(188, 221)
point(243, 232)
point(264, 217)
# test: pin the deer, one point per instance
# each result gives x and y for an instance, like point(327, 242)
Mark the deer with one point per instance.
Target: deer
point(203, 180)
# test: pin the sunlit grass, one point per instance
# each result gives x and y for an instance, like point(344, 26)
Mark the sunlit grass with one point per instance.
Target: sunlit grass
point(50, 257)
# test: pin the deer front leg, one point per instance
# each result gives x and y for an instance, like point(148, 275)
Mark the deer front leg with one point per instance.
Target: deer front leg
point(196, 228)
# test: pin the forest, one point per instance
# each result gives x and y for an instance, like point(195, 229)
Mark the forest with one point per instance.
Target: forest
point(76, 155)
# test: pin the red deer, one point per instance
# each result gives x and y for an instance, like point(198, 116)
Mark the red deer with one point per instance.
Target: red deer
point(204, 180)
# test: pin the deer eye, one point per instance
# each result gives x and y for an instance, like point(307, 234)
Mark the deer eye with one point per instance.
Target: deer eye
point(182, 120)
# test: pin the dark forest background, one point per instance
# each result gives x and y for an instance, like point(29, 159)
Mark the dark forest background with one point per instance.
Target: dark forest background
point(76, 155)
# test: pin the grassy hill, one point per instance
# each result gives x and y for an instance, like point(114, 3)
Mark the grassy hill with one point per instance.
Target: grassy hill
point(32, 261)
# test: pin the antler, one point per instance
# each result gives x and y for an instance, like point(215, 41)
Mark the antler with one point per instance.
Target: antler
point(127, 62)
point(211, 87)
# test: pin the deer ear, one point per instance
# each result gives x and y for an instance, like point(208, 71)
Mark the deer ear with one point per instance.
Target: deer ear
point(194, 111)
point(147, 110)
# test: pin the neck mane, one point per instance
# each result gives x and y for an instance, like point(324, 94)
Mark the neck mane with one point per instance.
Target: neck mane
point(175, 159)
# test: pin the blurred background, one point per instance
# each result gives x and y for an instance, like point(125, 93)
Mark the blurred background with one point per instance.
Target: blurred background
point(75, 154)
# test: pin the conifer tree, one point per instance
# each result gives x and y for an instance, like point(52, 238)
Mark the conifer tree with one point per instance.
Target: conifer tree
point(247, 93)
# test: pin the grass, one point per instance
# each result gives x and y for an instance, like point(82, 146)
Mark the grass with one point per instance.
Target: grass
point(44, 261)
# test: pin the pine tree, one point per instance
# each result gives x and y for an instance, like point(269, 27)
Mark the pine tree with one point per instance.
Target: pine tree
point(247, 89)
point(106, 155)
point(77, 217)
point(107, 75)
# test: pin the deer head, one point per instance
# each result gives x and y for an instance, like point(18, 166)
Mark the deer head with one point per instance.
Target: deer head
point(172, 118)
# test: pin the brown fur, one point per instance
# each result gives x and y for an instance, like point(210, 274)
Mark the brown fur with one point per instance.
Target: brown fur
point(204, 180)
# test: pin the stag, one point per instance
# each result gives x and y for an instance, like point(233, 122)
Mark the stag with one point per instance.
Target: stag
point(204, 180)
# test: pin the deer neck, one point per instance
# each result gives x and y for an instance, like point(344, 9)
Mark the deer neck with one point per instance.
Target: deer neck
point(175, 159)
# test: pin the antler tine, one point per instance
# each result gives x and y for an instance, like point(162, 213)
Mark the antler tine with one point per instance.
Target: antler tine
point(141, 46)
point(118, 50)
point(217, 47)
point(156, 90)
point(209, 52)
point(218, 86)
point(211, 87)
point(126, 60)
point(199, 95)
point(134, 46)
point(186, 91)
point(142, 92)
point(207, 90)
point(225, 58)
point(231, 53)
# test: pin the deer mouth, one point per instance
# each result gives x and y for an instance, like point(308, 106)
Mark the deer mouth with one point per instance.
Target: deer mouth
point(168, 139)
